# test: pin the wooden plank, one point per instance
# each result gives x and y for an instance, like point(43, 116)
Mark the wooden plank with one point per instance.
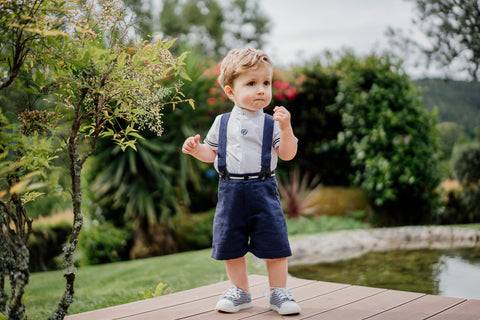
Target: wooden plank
point(116, 312)
point(467, 310)
point(421, 308)
point(316, 304)
point(206, 305)
point(318, 300)
point(261, 303)
point(369, 306)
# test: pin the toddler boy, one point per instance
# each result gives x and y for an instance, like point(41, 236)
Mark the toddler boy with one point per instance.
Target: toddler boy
point(244, 146)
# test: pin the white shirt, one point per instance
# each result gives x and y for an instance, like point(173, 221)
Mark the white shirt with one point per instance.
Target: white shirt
point(244, 141)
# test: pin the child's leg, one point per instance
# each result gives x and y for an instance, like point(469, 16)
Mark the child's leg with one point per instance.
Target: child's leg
point(277, 272)
point(237, 272)
point(281, 299)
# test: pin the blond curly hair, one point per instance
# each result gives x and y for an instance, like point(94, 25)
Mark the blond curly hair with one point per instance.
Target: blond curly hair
point(238, 61)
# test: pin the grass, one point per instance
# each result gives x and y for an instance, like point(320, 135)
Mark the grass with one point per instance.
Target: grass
point(111, 284)
point(101, 286)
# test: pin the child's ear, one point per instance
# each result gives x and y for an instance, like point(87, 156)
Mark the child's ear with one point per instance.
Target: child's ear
point(229, 92)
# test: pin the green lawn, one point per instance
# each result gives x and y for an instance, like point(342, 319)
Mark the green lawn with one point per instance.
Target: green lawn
point(111, 284)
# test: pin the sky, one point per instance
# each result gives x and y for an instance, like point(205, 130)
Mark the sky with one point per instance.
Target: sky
point(302, 29)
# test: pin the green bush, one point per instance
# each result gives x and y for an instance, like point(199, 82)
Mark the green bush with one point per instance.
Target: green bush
point(466, 166)
point(102, 242)
point(46, 241)
point(454, 209)
point(193, 231)
point(390, 139)
point(316, 125)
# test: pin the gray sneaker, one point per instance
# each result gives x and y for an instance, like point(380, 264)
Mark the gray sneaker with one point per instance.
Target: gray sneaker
point(282, 301)
point(233, 300)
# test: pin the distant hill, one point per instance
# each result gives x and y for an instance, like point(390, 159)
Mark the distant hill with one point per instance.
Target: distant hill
point(457, 101)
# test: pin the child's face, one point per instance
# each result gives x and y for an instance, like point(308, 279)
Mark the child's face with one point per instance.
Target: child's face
point(252, 90)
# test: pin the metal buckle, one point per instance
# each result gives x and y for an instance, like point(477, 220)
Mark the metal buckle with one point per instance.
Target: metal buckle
point(224, 173)
point(264, 173)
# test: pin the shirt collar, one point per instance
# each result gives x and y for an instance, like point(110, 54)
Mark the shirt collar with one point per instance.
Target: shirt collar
point(237, 111)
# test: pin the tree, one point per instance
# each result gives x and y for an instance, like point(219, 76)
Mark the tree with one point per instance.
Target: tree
point(104, 87)
point(112, 90)
point(151, 186)
point(26, 149)
point(24, 25)
point(214, 26)
point(389, 137)
point(26, 153)
point(453, 30)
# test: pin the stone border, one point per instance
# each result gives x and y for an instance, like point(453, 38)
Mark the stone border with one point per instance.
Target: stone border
point(344, 245)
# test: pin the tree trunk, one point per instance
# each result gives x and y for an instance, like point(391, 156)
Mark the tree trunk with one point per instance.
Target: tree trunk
point(76, 164)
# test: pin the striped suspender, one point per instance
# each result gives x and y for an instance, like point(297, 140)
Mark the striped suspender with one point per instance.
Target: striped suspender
point(266, 147)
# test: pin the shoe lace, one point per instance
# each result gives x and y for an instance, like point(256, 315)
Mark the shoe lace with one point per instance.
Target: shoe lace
point(285, 294)
point(232, 292)
point(282, 293)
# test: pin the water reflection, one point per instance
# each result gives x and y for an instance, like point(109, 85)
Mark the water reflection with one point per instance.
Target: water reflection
point(452, 273)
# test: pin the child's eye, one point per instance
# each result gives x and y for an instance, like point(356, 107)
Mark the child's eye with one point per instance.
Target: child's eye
point(251, 83)
point(266, 83)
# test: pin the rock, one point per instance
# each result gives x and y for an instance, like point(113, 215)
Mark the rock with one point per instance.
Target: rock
point(351, 244)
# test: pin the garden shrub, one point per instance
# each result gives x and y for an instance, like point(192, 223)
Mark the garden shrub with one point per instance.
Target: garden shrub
point(466, 166)
point(342, 201)
point(102, 242)
point(361, 123)
point(316, 125)
point(47, 239)
point(193, 231)
point(390, 139)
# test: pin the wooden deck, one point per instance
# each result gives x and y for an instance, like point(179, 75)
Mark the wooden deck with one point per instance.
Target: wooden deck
point(318, 300)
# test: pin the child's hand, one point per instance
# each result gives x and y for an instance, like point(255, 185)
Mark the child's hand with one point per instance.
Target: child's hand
point(281, 115)
point(191, 144)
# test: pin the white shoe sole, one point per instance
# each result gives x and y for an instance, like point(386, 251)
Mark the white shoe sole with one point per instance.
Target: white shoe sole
point(286, 308)
point(227, 306)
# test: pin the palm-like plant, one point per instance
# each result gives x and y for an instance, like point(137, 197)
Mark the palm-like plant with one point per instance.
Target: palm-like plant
point(298, 194)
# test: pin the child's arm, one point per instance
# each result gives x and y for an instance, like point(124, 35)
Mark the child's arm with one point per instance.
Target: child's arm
point(287, 148)
point(200, 151)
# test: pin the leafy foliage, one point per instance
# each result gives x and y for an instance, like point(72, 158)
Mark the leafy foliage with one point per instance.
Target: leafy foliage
point(456, 101)
point(467, 164)
point(103, 86)
point(102, 242)
point(25, 161)
point(153, 184)
point(390, 139)
point(452, 30)
point(317, 125)
point(214, 27)
point(461, 204)
point(297, 194)
point(25, 25)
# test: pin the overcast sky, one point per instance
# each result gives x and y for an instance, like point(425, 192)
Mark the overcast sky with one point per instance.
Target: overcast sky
point(305, 28)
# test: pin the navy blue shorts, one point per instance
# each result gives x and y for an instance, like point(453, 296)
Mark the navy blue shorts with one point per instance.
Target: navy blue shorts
point(249, 217)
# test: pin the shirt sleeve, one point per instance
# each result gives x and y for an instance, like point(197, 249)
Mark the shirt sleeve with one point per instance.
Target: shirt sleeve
point(212, 136)
point(276, 135)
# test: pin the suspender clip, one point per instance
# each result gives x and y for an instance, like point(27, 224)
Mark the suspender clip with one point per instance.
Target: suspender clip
point(265, 173)
point(224, 173)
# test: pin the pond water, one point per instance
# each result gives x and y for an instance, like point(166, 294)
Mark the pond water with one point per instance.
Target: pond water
point(452, 273)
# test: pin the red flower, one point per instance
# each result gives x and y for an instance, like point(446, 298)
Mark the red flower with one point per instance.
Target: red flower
point(211, 101)
point(291, 93)
point(280, 85)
